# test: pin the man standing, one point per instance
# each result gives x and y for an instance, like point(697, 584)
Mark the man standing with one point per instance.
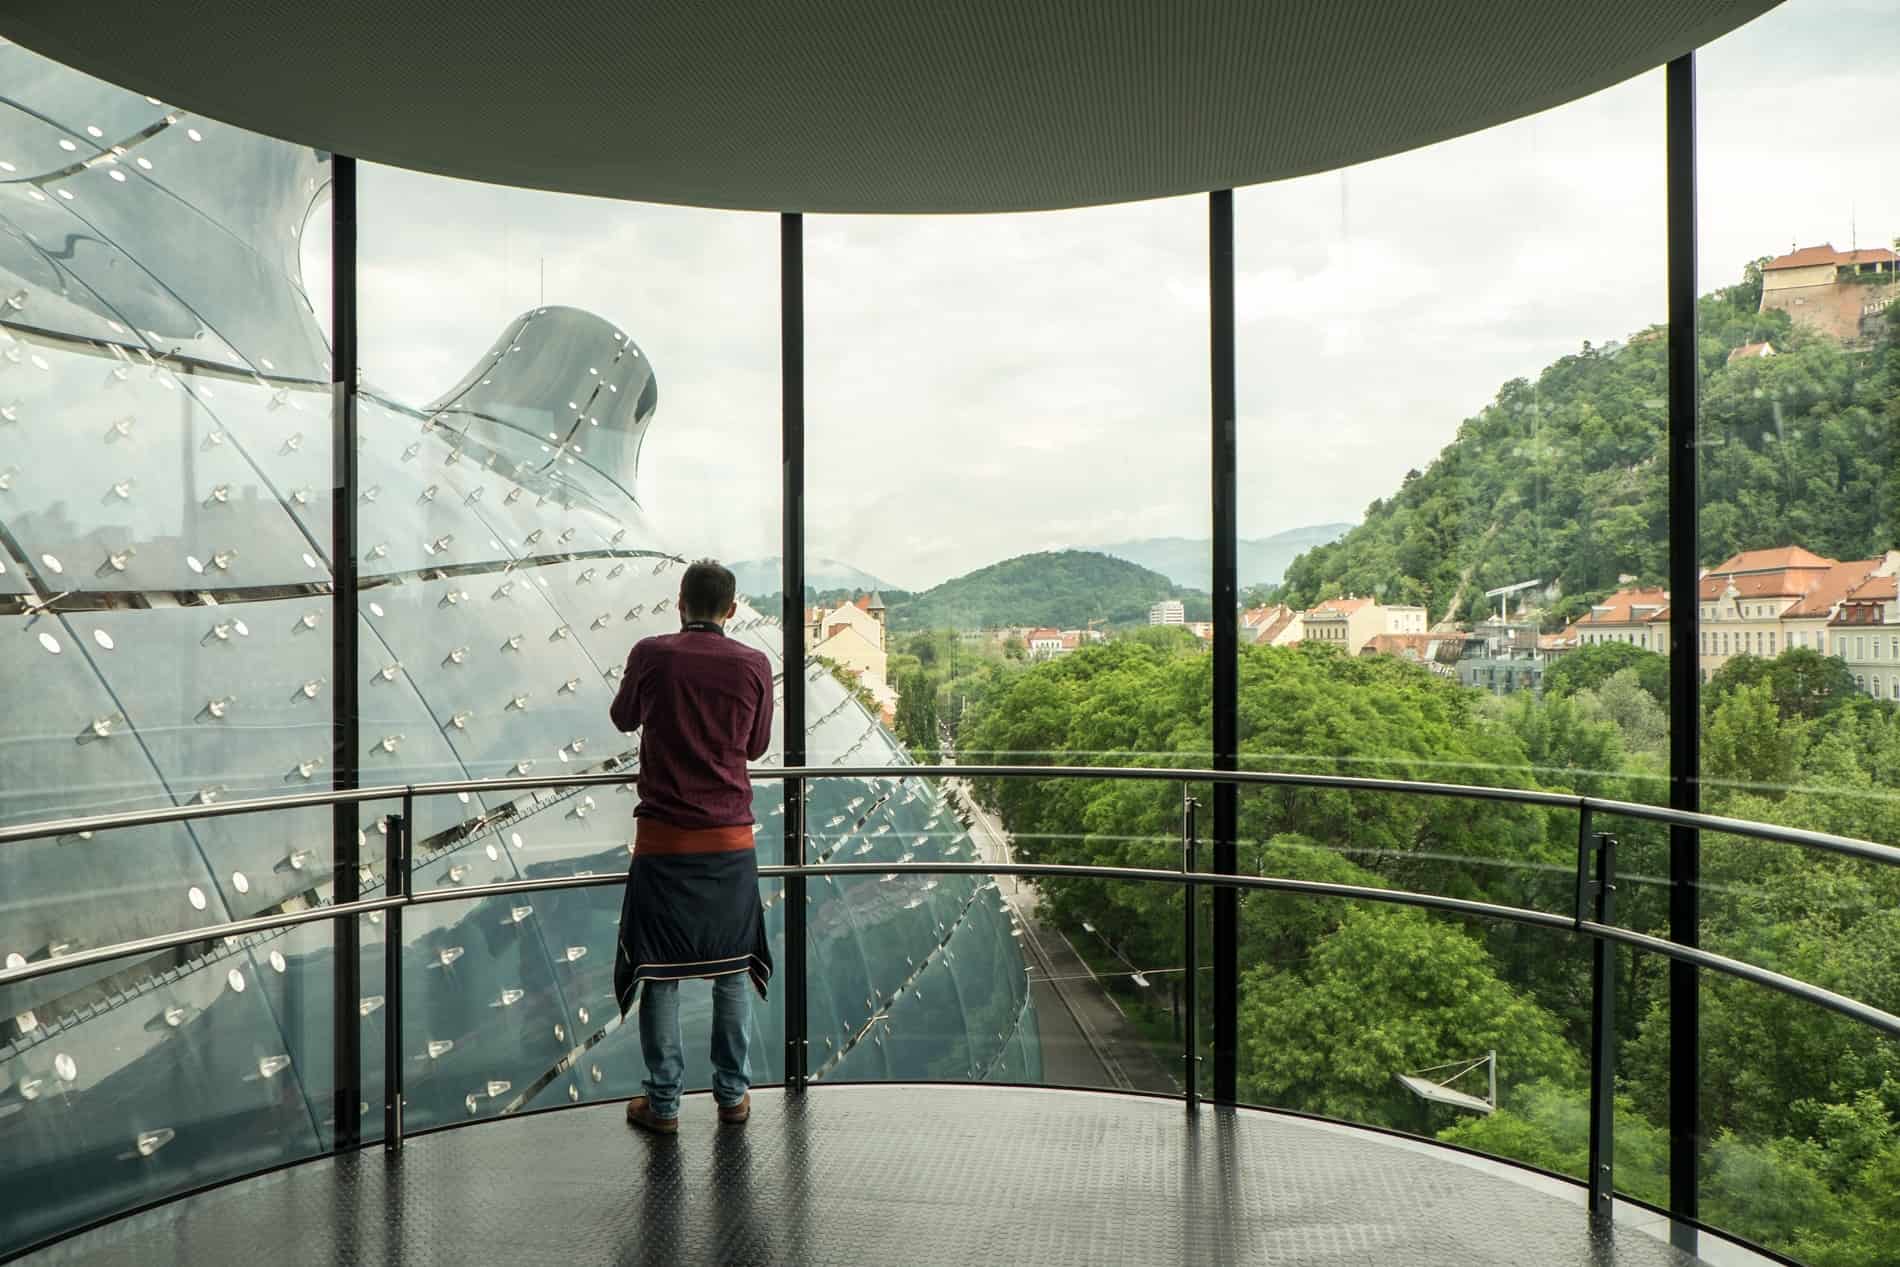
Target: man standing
point(703, 706)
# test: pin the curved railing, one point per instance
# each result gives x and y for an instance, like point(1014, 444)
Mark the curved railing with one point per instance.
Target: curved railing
point(1590, 917)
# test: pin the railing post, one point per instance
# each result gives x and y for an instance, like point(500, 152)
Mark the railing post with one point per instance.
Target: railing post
point(1191, 957)
point(1586, 885)
point(396, 875)
point(1603, 1037)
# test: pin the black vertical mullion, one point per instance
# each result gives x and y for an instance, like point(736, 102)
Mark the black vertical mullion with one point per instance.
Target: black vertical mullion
point(346, 1022)
point(1223, 459)
point(792, 582)
point(1685, 748)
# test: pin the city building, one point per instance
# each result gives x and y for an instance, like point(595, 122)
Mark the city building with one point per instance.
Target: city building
point(1169, 611)
point(1805, 622)
point(1866, 634)
point(852, 635)
point(1271, 625)
point(1044, 643)
point(1352, 622)
point(1745, 597)
point(1837, 293)
point(1503, 657)
point(1441, 652)
point(1639, 617)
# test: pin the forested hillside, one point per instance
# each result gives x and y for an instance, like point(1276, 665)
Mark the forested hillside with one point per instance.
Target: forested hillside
point(1064, 589)
point(1801, 1108)
point(1563, 478)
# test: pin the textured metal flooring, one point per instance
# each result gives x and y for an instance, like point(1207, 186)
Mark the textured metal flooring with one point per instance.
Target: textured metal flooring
point(885, 1175)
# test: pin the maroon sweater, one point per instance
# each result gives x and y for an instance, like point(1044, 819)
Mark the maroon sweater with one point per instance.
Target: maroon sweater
point(703, 706)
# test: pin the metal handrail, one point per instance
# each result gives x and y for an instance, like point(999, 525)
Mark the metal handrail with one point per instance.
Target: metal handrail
point(1847, 846)
point(1591, 916)
point(1577, 923)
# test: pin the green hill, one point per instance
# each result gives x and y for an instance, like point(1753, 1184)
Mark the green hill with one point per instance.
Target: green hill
point(1064, 589)
point(1562, 479)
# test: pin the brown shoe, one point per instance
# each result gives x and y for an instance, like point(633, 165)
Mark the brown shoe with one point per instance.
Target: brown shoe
point(641, 1114)
point(737, 1113)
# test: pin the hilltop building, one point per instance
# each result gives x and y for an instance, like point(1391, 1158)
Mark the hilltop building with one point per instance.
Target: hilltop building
point(1837, 293)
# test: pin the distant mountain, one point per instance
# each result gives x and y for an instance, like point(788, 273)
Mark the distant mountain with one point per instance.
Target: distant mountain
point(1064, 589)
point(761, 576)
point(1190, 560)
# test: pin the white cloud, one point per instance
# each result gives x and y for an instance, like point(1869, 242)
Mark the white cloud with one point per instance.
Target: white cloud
point(979, 386)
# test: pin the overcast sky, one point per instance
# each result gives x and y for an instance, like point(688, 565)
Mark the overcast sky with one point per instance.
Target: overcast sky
point(983, 386)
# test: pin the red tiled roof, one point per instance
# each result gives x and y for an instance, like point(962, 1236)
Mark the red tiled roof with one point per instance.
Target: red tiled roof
point(1809, 256)
point(1751, 350)
point(1806, 257)
point(1338, 606)
point(1771, 560)
point(1269, 632)
point(1621, 607)
point(1875, 589)
point(1830, 589)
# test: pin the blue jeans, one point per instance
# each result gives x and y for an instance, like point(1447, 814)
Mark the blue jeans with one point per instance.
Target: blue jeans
point(665, 1055)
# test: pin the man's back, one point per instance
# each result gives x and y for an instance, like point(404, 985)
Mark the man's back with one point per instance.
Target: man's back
point(703, 705)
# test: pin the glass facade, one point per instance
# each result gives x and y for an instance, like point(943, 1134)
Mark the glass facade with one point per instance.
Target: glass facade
point(1458, 556)
point(165, 588)
point(1799, 514)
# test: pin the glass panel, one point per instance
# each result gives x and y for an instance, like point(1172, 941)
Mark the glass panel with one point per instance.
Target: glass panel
point(525, 509)
point(499, 991)
point(988, 595)
point(163, 1075)
point(164, 640)
point(1401, 1018)
point(1799, 539)
point(1453, 414)
point(927, 977)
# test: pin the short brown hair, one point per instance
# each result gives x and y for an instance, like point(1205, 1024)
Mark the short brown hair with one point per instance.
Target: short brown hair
point(706, 591)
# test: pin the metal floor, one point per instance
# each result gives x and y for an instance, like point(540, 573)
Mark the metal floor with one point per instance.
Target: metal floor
point(887, 1175)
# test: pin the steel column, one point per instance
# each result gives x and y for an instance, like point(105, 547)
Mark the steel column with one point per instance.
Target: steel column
point(1226, 651)
point(792, 582)
point(1685, 708)
point(346, 1048)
